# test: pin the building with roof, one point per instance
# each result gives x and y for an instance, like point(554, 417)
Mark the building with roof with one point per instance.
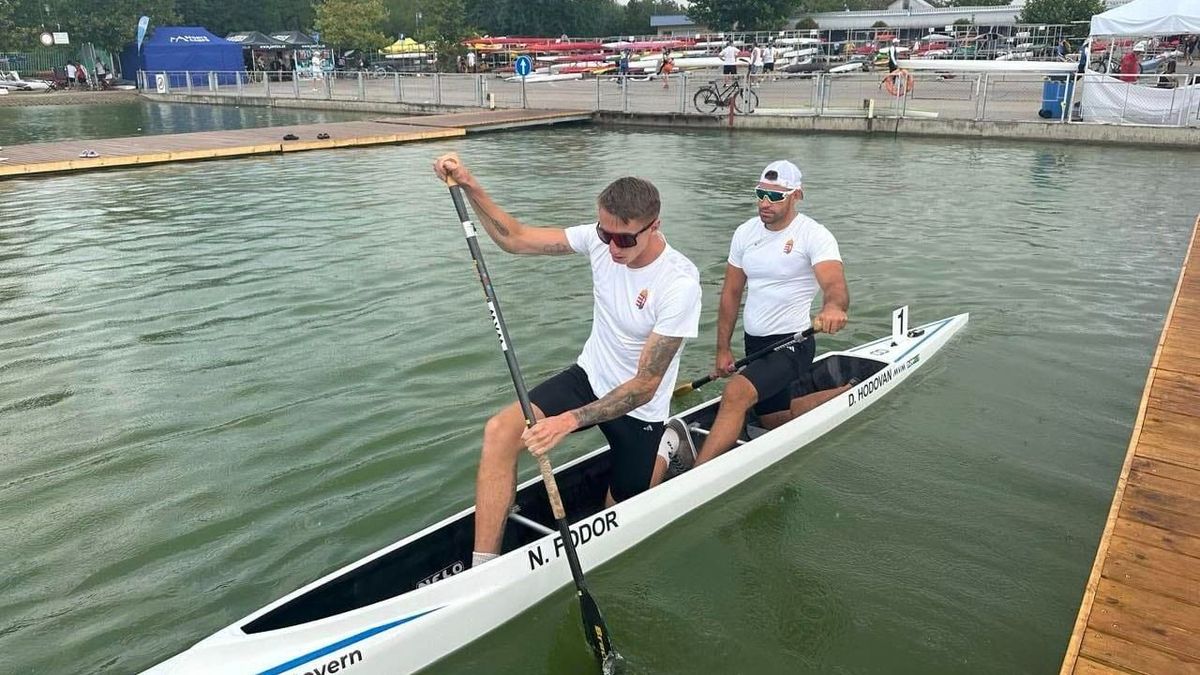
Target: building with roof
point(906, 14)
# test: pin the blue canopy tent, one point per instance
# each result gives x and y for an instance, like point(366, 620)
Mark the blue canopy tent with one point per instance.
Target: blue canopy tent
point(180, 50)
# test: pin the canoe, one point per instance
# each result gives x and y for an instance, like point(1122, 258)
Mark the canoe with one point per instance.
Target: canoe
point(975, 66)
point(647, 45)
point(545, 77)
point(406, 606)
point(798, 41)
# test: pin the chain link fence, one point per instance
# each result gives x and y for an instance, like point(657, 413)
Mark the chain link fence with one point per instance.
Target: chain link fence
point(984, 96)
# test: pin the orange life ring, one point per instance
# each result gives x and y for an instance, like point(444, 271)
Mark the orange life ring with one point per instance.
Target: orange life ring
point(898, 82)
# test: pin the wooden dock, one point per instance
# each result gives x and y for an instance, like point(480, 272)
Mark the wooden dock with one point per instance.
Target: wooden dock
point(1141, 605)
point(61, 156)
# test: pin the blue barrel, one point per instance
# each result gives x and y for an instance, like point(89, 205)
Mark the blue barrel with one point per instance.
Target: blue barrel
point(1055, 90)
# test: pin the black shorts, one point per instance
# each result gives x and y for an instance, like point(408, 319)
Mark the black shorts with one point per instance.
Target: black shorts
point(633, 442)
point(781, 375)
point(729, 70)
point(768, 67)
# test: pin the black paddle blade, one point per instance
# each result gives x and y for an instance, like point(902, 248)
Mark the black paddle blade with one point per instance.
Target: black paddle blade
point(596, 632)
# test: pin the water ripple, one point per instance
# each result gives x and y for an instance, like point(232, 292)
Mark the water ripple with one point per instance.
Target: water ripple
point(222, 380)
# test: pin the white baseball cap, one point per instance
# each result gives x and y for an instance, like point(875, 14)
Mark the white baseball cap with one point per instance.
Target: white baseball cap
point(782, 173)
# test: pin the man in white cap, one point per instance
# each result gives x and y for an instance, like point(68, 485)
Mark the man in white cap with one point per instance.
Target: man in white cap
point(893, 56)
point(782, 257)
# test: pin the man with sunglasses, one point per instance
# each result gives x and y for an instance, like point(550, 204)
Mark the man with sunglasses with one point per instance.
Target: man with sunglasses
point(646, 301)
point(782, 257)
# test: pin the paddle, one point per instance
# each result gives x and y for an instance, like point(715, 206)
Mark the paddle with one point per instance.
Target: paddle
point(594, 627)
point(782, 344)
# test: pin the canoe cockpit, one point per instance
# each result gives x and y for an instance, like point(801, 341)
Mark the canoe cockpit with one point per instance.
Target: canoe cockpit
point(446, 550)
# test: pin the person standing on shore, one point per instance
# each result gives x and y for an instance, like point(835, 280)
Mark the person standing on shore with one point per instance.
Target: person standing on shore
point(756, 62)
point(729, 61)
point(70, 74)
point(666, 67)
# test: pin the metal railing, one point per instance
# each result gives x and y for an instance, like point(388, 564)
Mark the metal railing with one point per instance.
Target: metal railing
point(985, 96)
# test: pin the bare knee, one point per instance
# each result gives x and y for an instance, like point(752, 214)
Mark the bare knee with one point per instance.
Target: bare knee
point(502, 433)
point(740, 392)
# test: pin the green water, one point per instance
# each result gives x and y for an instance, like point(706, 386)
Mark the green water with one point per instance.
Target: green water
point(37, 124)
point(210, 397)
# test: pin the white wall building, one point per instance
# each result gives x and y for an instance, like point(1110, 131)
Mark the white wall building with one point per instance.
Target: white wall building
point(918, 14)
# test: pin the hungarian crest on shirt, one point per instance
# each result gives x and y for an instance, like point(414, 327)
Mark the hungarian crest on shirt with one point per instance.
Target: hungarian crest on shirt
point(787, 247)
point(642, 297)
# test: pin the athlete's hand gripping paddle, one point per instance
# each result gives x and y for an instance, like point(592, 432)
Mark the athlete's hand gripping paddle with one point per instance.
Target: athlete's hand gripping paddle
point(741, 363)
point(594, 627)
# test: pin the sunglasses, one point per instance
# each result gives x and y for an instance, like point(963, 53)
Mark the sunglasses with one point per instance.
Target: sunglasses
point(773, 196)
point(621, 239)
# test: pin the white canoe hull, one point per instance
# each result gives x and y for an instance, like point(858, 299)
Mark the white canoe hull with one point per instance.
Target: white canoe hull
point(545, 77)
point(410, 631)
point(979, 65)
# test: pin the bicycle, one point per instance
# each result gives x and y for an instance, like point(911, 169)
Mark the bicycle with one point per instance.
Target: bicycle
point(712, 97)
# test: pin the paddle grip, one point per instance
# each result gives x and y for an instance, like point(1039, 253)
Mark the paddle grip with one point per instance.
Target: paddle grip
point(556, 504)
point(594, 627)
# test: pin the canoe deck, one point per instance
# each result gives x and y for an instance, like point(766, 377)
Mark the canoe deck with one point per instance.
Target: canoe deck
point(446, 550)
point(1141, 605)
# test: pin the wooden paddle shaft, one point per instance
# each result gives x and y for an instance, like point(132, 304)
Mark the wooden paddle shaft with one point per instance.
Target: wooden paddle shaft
point(514, 368)
point(556, 504)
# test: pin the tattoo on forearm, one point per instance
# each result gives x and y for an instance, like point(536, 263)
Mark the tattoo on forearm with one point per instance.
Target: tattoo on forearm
point(490, 221)
point(614, 404)
point(557, 249)
point(500, 228)
point(495, 224)
point(656, 358)
point(657, 355)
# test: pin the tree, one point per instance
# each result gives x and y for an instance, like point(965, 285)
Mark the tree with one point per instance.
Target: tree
point(444, 23)
point(356, 24)
point(807, 23)
point(742, 14)
point(110, 24)
point(818, 6)
point(224, 17)
point(1059, 11)
point(8, 24)
point(402, 17)
point(637, 13)
point(558, 17)
point(879, 24)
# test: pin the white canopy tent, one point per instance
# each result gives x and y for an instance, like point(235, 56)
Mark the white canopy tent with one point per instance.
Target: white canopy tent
point(1109, 99)
point(1149, 17)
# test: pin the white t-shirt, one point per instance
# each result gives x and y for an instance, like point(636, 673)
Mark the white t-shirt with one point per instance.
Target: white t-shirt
point(769, 55)
point(628, 304)
point(471, 59)
point(729, 55)
point(756, 56)
point(780, 283)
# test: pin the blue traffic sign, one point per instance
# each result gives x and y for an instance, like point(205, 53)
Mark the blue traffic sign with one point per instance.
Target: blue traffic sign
point(523, 65)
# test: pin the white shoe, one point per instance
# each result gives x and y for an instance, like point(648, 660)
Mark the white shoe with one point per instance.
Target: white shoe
point(681, 450)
